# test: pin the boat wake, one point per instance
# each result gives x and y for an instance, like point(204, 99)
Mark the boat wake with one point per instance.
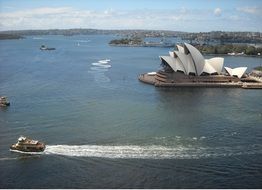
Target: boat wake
point(98, 70)
point(104, 61)
point(6, 159)
point(149, 152)
point(101, 65)
point(37, 38)
point(24, 155)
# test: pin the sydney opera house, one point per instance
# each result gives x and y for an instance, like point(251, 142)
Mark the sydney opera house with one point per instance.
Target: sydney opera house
point(186, 66)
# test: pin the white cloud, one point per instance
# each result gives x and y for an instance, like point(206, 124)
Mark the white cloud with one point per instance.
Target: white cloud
point(44, 11)
point(67, 17)
point(217, 12)
point(250, 10)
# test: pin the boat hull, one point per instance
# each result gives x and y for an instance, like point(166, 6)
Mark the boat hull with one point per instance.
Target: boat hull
point(23, 148)
point(4, 104)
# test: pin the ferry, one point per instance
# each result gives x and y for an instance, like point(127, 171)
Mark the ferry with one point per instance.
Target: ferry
point(25, 144)
point(4, 101)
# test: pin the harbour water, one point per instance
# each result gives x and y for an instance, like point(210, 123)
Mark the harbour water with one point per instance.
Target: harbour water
point(105, 129)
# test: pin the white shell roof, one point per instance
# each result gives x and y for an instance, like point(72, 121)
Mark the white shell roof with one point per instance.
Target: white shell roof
point(216, 63)
point(175, 64)
point(189, 60)
point(239, 71)
point(171, 53)
point(180, 48)
point(208, 68)
point(180, 66)
point(186, 63)
point(198, 58)
point(190, 64)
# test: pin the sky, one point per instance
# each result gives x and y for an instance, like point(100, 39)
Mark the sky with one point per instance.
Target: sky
point(177, 15)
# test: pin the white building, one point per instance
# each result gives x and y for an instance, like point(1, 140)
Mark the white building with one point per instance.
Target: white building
point(190, 61)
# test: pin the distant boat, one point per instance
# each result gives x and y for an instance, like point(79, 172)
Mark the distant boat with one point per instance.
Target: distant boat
point(25, 144)
point(234, 54)
point(4, 101)
point(43, 47)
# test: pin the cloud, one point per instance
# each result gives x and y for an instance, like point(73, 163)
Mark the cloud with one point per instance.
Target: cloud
point(67, 17)
point(181, 19)
point(251, 10)
point(44, 11)
point(217, 12)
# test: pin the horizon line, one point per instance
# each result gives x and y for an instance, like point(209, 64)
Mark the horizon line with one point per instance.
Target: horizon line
point(166, 30)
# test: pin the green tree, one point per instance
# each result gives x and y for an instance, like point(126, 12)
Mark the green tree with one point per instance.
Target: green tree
point(250, 50)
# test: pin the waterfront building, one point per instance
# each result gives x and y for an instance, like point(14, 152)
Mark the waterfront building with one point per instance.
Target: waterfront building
point(186, 66)
point(190, 61)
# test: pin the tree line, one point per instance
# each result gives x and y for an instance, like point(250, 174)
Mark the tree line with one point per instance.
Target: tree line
point(229, 48)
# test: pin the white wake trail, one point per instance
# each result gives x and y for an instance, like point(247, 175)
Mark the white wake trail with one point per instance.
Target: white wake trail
point(146, 152)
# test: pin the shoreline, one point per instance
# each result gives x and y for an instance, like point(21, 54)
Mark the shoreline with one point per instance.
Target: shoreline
point(173, 46)
point(141, 45)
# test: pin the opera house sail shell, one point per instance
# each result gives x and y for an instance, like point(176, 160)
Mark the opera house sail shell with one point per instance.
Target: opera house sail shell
point(239, 71)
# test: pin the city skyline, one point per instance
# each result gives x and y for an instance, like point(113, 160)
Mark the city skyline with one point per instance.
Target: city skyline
point(188, 16)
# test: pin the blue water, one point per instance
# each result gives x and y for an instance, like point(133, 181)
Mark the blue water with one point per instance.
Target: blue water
point(105, 129)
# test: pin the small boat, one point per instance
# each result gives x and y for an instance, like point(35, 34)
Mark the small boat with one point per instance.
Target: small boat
point(25, 144)
point(4, 101)
point(43, 47)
